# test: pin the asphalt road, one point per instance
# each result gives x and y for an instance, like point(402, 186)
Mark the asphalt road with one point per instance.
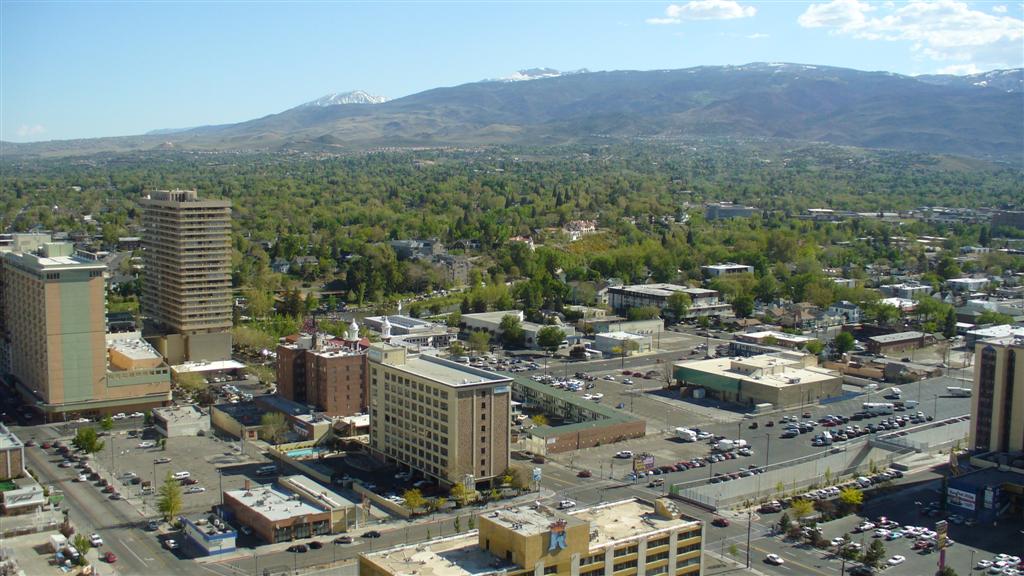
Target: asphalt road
point(119, 524)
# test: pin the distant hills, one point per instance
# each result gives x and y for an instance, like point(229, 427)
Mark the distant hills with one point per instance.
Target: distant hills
point(981, 115)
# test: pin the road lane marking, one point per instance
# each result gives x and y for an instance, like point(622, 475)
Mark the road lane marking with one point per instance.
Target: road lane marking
point(132, 552)
point(800, 564)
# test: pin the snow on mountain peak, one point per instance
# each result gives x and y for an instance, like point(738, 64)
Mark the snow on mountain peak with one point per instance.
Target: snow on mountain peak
point(353, 97)
point(535, 74)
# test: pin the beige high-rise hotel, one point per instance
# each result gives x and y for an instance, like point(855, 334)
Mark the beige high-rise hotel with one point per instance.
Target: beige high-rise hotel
point(186, 291)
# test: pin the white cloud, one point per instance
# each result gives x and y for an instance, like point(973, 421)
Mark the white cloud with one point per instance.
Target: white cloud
point(1000, 9)
point(704, 10)
point(658, 21)
point(959, 69)
point(938, 29)
point(757, 36)
point(26, 131)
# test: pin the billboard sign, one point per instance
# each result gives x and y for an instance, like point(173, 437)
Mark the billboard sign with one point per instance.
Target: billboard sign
point(961, 498)
point(643, 463)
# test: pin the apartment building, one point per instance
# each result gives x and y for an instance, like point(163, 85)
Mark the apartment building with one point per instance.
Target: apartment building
point(186, 294)
point(448, 421)
point(997, 405)
point(60, 357)
point(703, 302)
point(626, 538)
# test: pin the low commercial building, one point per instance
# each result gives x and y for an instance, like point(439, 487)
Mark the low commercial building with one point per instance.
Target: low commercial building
point(899, 342)
point(626, 538)
point(12, 455)
point(967, 284)
point(703, 302)
point(585, 423)
point(775, 338)
point(907, 290)
point(26, 498)
point(972, 337)
point(185, 420)
point(207, 536)
point(344, 513)
point(728, 210)
point(276, 514)
point(783, 380)
point(490, 322)
point(411, 332)
point(653, 327)
point(622, 343)
point(716, 270)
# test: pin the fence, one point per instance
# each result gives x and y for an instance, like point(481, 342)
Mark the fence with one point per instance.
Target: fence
point(822, 468)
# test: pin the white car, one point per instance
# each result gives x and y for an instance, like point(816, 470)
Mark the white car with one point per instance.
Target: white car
point(195, 490)
point(881, 533)
point(588, 396)
point(566, 504)
point(837, 541)
point(171, 544)
point(896, 560)
point(136, 415)
point(983, 564)
point(774, 559)
point(865, 526)
point(624, 454)
point(119, 416)
point(596, 396)
point(82, 478)
point(147, 444)
point(609, 377)
point(95, 540)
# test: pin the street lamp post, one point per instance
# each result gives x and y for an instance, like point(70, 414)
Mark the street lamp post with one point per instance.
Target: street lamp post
point(749, 522)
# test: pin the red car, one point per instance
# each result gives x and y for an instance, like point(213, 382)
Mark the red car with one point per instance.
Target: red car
point(47, 445)
point(720, 522)
point(110, 557)
point(584, 474)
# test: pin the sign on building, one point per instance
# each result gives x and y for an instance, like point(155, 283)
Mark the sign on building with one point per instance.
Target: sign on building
point(961, 498)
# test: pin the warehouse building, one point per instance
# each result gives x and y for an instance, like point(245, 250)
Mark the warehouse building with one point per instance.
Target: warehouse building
point(783, 380)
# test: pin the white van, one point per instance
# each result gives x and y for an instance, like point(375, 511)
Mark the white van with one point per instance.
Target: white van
point(181, 475)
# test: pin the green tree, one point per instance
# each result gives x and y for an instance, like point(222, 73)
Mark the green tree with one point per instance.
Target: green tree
point(459, 494)
point(456, 348)
point(414, 499)
point(814, 347)
point(874, 554)
point(454, 319)
point(679, 304)
point(273, 427)
point(480, 341)
point(844, 342)
point(190, 382)
point(784, 522)
point(949, 326)
point(169, 498)
point(993, 317)
point(802, 508)
point(107, 423)
point(743, 305)
point(82, 544)
point(642, 313)
point(539, 419)
point(550, 338)
point(947, 571)
point(948, 268)
point(512, 334)
point(87, 441)
point(851, 498)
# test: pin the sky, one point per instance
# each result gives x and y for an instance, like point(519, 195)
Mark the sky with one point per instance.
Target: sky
point(89, 69)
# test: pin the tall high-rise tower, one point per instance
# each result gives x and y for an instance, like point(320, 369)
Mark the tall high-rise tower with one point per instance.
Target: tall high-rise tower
point(186, 293)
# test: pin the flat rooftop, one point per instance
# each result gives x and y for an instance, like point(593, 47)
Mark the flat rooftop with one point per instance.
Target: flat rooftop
point(779, 374)
point(447, 372)
point(626, 519)
point(457, 556)
point(777, 335)
point(214, 366)
point(273, 504)
point(897, 337)
point(495, 317)
point(8, 439)
point(528, 520)
point(328, 497)
point(622, 336)
point(134, 348)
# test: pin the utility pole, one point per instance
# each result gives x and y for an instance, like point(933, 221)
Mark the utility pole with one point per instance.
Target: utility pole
point(749, 522)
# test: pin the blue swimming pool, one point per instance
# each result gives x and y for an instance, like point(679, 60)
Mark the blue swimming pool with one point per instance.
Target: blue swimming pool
point(303, 452)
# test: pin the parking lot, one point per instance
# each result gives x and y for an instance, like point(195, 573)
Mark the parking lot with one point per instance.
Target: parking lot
point(971, 544)
point(210, 462)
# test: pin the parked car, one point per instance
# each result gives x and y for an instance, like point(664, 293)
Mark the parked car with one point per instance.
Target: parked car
point(110, 557)
point(564, 504)
point(298, 548)
point(584, 474)
point(316, 545)
point(371, 534)
point(720, 522)
point(95, 540)
point(343, 539)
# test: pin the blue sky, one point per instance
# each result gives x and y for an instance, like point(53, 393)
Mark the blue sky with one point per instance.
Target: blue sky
point(89, 69)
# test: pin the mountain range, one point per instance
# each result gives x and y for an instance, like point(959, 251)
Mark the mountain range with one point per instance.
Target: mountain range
point(980, 115)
